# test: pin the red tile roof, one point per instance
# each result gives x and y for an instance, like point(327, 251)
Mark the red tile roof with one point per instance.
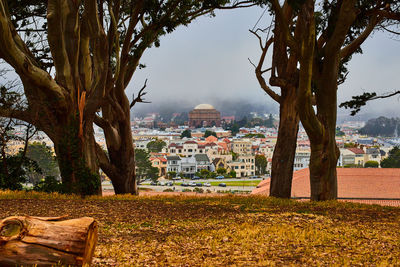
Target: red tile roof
point(356, 150)
point(352, 183)
point(190, 142)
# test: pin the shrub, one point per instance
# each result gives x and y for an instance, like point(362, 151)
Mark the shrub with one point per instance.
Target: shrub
point(371, 164)
point(49, 185)
point(168, 190)
point(198, 190)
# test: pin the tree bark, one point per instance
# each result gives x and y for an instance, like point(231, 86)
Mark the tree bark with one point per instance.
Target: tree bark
point(119, 164)
point(77, 159)
point(324, 151)
point(41, 241)
point(285, 148)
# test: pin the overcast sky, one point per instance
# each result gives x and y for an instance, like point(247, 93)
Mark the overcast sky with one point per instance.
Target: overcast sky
point(206, 62)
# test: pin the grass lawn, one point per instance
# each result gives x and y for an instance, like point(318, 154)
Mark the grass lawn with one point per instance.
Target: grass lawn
point(222, 231)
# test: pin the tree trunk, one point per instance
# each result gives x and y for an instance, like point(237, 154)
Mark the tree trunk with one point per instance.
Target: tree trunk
point(119, 165)
point(285, 148)
point(123, 160)
point(324, 151)
point(76, 156)
point(323, 176)
point(42, 241)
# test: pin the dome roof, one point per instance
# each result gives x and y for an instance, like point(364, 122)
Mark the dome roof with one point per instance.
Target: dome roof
point(204, 106)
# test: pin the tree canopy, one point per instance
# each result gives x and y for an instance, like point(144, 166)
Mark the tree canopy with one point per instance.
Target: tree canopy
point(77, 57)
point(155, 145)
point(393, 160)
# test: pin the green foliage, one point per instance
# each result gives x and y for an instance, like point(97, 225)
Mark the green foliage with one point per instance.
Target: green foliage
point(77, 177)
point(381, 126)
point(156, 145)
point(13, 168)
point(144, 169)
point(198, 190)
point(349, 145)
point(234, 155)
point(168, 190)
point(339, 132)
point(261, 164)
point(361, 100)
point(357, 102)
point(186, 190)
point(232, 174)
point(212, 175)
point(233, 127)
point(49, 185)
point(186, 133)
point(371, 164)
point(352, 166)
point(45, 159)
point(258, 135)
point(208, 133)
point(221, 171)
point(393, 160)
point(204, 173)
point(13, 171)
point(171, 174)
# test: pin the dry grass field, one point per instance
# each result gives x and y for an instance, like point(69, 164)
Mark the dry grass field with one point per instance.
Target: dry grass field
point(225, 230)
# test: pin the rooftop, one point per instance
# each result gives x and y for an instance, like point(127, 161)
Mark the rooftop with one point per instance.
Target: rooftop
point(352, 183)
point(204, 106)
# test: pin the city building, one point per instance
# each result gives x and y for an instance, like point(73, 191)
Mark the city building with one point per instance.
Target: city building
point(204, 115)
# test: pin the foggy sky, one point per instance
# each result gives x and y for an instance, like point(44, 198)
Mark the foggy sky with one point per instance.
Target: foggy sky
point(206, 62)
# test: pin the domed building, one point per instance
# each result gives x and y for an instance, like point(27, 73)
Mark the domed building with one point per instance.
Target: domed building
point(204, 115)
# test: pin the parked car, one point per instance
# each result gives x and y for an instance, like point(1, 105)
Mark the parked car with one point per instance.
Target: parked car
point(222, 184)
point(220, 177)
point(192, 184)
point(254, 177)
point(169, 183)
point(154, 183)
point(207, 184)
point(199, 184)
point(196, 178)
point(176, 178)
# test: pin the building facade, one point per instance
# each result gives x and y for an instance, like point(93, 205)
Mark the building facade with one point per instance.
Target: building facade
point(204, 115)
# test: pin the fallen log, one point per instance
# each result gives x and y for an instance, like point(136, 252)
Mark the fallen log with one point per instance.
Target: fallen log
point(47, 241)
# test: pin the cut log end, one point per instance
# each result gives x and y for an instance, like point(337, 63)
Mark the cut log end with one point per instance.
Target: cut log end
point(47, 241)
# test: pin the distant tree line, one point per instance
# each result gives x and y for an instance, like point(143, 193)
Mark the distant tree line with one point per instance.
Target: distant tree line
point(381, 126)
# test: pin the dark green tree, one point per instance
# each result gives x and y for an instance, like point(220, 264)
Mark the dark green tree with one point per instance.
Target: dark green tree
point(221, 171)
point(393, 160)
point(14, 166)
point(371, 164)
point(358, 101)
point(233, 127)
point(208, 133)
point(144, 168)
point(204, 173)
point(156, 145)
point(261, 164)
point(186, 133)
point(44, 157)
